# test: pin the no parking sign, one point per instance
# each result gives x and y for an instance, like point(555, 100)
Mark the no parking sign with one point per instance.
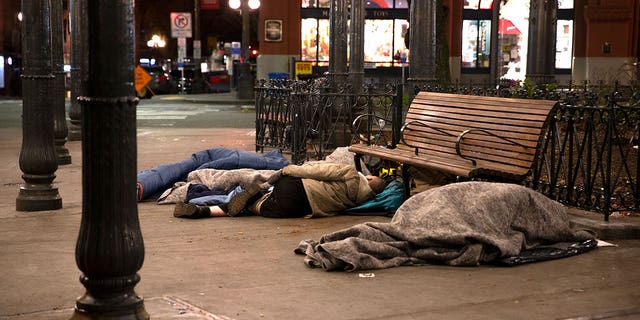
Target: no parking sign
point(181, 24)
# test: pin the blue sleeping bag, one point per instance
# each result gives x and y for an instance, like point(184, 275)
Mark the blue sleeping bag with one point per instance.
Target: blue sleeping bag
point(151, 182)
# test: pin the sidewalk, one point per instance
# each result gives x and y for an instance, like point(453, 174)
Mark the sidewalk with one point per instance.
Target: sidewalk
point(245, 268)
point(210, 98)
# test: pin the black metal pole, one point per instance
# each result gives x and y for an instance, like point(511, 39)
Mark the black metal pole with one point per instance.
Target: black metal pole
point(79, 58)
point(110, 249)
point(542, 41)
point(422, 41)
point(245, 77)
point(37, 157)
point(356, 61)
point(338, 41)
point(197, 86)
point(59, 92)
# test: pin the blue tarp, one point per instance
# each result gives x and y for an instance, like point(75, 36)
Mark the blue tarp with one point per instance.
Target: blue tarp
point(156, 180)
point(384, 203)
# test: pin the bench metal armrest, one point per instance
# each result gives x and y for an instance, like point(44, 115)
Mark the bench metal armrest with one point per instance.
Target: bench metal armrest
point(422, 124)
point(461, 137)
point(380, 123)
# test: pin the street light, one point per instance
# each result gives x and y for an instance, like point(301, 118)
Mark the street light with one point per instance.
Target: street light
point(253, 4)
point(245, 78)
point(155, 43)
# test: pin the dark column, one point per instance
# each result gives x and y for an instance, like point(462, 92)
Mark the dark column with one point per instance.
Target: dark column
point(494, 73)
point(245, 78)
point(542, 41)
point(60, 129)
point(422, 41)
point(79, 43)
point(38, 156)
point(356, 61)
point(110, 249)
point(196, 87)
point(338, 40)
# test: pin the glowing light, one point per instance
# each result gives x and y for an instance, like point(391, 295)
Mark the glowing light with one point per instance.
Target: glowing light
point(234, 4)
point(254, 4)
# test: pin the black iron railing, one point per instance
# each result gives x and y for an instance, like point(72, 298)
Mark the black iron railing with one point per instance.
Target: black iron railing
point(311, 118)
point(588, 158)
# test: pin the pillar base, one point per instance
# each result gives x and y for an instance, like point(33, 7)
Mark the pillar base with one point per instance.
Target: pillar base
point(74, 134)
point(245, 81)
point(121, 306)
point(62, 155)
point(38, 199)
point(64, 159)
point(138, 314)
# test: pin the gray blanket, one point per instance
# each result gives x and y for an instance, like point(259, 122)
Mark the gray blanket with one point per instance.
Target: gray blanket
point(460, 224)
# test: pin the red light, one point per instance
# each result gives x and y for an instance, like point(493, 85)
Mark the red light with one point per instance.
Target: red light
point(254, 52)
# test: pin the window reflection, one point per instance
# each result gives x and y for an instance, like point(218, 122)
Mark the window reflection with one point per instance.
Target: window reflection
point(476, 38)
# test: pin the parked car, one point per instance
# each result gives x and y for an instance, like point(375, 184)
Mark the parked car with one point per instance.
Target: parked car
point(183, 79)
point(217, 81)
point(160, 83)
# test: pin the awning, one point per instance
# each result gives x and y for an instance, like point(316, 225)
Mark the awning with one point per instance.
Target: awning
point(505, 26)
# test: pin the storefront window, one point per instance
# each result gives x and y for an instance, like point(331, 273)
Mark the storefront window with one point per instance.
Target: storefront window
point(565, 4)
point(513, 34)
point(478, 4)
point(564, 44)
point(378, 40)
point(309, 49)
point(323, 42)
point(402, 4)
point(476, 38)
point(401, 52)
point(385, 29)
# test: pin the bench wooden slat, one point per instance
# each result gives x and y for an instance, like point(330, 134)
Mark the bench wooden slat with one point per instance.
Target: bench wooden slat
point(483, 102)
point(524, 136)
point(502, 139)
point(520, 119)
point(486, 157)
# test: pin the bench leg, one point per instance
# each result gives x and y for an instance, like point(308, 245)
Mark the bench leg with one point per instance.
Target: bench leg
point(406, 179)
point(356, 160)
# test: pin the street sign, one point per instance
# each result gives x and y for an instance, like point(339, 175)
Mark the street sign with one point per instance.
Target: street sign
point(197, 53)
point(181, 24)
point(303, 68)
point(182, 49)
point(235, 50)
point(142, 78)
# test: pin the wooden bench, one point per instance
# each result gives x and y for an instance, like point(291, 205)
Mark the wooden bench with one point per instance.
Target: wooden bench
point(470, 137)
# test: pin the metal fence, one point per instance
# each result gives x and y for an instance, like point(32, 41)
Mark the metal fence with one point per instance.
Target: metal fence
point(311, 118)
point(588, 158)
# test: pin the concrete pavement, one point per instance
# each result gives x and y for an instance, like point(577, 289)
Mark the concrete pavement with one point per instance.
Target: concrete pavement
point(244, 268)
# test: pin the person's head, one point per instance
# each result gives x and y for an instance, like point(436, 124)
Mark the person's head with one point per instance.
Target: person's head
point(376, 184)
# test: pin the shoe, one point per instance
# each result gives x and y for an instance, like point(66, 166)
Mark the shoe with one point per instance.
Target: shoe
point(190, 210)
point(240, 201)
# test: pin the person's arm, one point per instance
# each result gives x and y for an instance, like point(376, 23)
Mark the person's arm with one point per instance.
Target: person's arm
point(322, 171)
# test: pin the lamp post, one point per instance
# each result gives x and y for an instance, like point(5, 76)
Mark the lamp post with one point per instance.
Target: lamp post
point(245, 77)
point(155, 43)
